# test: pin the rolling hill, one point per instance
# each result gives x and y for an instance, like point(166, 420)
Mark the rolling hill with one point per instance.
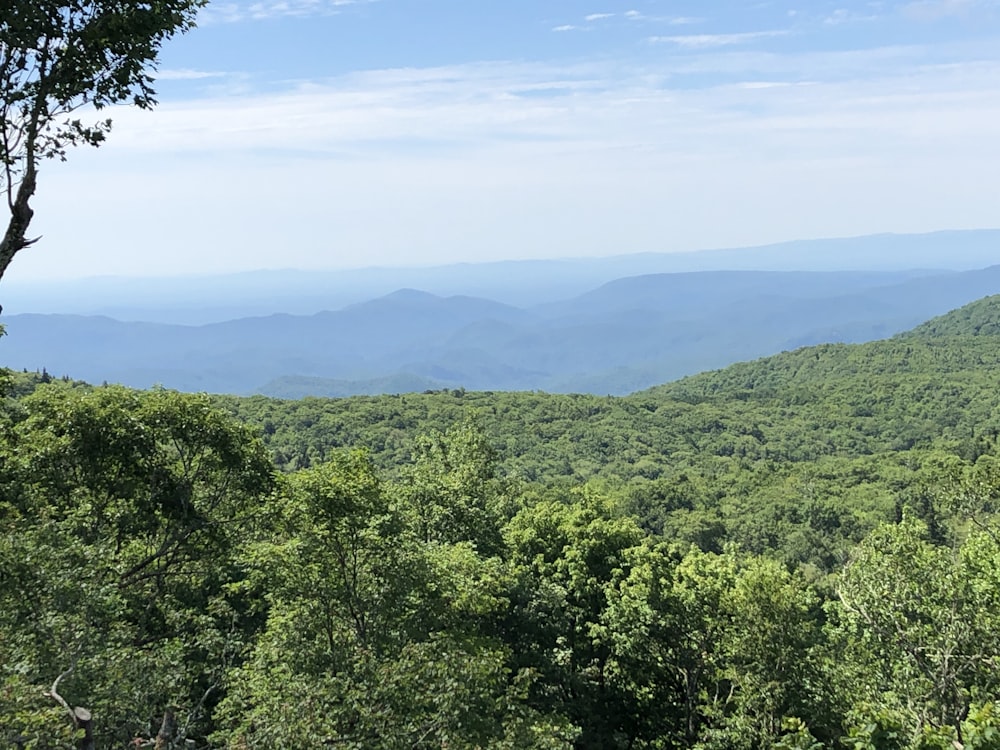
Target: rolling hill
point(623, 336)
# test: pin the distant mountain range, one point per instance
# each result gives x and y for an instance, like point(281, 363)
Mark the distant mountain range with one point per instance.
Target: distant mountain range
point(621, 336)
point(195, 300)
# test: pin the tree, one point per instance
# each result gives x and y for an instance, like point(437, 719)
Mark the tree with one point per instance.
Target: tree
point(121, 514)
point(565, 557)
point(712, 650)
point(58, 57)
point(375, 638)
point(919, 627)
point(453, 489)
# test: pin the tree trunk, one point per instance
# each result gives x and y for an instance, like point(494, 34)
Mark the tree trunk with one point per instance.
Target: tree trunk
point(21, 213)
point(164, 738)
point(85, 722)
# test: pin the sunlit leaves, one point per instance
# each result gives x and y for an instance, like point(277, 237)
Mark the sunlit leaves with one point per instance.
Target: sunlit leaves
point(923, 624)
point(116, 550)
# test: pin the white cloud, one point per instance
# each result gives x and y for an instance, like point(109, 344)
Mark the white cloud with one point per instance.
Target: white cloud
point(257, 10)
point(186, 74)
point(598, 17)
point(703, 41)
point(484, 106)
point(843, 15)
point(450, 163)
point(634, 15)
point(566, 27)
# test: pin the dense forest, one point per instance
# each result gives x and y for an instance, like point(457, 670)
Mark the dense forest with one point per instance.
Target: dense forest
point(798, 552)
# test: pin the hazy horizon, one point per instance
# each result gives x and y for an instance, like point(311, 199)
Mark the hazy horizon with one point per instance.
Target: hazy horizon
point(206, 298)
point(16, 281)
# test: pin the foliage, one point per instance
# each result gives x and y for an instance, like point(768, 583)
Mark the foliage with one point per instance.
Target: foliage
point(925, 618)
point(118, 518)
point(726, 563)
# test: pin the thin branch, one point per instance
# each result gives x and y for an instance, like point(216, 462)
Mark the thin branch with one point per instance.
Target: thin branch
point(53, 693)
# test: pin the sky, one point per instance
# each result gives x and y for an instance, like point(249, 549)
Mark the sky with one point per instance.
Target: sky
point(348, 133)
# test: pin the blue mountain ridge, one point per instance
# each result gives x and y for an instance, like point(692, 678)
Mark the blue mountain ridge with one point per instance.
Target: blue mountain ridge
point(622, 336)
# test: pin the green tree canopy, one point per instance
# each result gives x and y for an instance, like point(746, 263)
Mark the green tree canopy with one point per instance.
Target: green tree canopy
point(120, 514)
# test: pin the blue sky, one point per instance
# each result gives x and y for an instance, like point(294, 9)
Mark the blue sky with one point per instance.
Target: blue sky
point(339, 133)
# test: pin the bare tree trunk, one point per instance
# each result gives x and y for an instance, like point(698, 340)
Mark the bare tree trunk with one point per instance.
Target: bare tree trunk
point(85, 722)
point(21, 213)
point(164, 738)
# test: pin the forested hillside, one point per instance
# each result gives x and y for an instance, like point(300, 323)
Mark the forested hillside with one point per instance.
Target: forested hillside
point(797, 552)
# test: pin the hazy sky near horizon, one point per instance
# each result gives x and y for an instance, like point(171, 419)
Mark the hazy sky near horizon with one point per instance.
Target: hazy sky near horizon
point(347, 133)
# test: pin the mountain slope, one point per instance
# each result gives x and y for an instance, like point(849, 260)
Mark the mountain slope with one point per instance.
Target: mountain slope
point(981, 318)
point(621, 337)
point(961, 345)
